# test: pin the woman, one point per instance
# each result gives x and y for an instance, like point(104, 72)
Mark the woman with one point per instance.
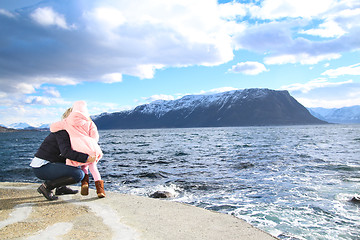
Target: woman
point(49, 164)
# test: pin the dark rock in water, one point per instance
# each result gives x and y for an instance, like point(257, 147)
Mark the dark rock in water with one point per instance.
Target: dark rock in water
point(355, 200)
point(152, 175)
point(244, 165)
point(161, 194)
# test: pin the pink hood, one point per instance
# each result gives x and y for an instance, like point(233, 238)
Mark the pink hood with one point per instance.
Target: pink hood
point(78, 123)
point(79, 117)
point(81, 106)
point(82, 130)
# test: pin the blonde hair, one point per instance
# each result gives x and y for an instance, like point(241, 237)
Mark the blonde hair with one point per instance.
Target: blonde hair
point(66, 113)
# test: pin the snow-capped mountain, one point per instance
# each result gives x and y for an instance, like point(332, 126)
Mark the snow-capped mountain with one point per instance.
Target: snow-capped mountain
point(44, 126)
point(21, 125)
point(26, 126)
point(191, 102)
point(337, 115)
point(249, 107)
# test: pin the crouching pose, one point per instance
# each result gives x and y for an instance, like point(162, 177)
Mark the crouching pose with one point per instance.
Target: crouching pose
point(49, 165)
point(84, 137)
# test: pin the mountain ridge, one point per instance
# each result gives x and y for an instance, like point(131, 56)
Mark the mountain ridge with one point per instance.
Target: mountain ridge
point(248, 107)
point(344, 115)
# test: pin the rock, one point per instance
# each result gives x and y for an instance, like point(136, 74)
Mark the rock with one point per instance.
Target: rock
point(355, 200)
point(161, 194)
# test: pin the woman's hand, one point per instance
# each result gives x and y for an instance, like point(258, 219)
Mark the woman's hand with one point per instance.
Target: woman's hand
point(91, 159)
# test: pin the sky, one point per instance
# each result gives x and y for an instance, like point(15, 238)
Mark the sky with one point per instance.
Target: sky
point(118, 54)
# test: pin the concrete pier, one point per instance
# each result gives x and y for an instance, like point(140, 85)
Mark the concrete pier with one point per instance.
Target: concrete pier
point(25, 214)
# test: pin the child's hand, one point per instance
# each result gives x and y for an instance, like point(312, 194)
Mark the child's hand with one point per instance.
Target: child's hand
point(91, 159)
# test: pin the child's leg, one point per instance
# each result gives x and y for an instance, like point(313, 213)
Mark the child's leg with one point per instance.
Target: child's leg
point(94, 171)
point(97, 178)
point(85, 181)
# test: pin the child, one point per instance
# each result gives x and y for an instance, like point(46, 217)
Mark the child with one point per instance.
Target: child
point(84, 138)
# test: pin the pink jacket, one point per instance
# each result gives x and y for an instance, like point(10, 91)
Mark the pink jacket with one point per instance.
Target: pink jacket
point(82, 130)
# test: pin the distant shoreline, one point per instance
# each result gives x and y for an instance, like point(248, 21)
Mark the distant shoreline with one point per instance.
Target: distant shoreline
point(4, 129)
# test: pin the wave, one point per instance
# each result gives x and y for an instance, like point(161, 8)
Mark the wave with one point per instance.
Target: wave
point(293, 181)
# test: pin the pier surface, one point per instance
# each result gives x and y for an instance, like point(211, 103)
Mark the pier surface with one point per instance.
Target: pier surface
point(25, 214)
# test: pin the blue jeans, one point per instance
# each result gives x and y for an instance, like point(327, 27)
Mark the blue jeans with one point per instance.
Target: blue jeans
point(52, 171)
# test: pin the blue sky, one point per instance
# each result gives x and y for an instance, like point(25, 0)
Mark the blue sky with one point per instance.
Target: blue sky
point(118, 54)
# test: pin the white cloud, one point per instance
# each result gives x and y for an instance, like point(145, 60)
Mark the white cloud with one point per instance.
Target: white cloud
point(50, 111)
point(30, 115)
point(144, 71)
point(277, 41)
point(108, 17)
point(322, 93)
point(54, 80)
point(327, 29)
point(38, 100)
point(231, 10)
point(349, 70)
point(342, 19)
point(311, 85)
point(96, 108)
point(337, 23)
point(112, 77)
point(51, 91)
point(47, 16)
point(159, 97)
point(265, 36)
point(122, 37)
point(302, 58)
point(6, 13)
point(218, 90)
point(22, 86)
point(276, 9)
point(177, 29)
point(137, 38)
point(314, 102)
point(248, 68)
point(347, 16)
point(17, 88)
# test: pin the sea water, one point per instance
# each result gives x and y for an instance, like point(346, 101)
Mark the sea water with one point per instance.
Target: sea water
point(294, 182)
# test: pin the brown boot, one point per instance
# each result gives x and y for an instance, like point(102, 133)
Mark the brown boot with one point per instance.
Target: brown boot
point(85, 185)
point(100, 188)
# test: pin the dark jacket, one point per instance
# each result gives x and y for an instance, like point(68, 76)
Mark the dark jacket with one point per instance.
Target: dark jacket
point(57, 148)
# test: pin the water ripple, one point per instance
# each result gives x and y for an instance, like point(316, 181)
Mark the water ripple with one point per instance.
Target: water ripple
point(294, 181)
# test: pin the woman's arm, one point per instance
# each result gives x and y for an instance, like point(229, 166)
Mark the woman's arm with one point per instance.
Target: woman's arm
point(63, 141)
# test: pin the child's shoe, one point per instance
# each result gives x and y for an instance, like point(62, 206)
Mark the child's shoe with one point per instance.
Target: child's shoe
point(100, 188)
point(85, 185)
